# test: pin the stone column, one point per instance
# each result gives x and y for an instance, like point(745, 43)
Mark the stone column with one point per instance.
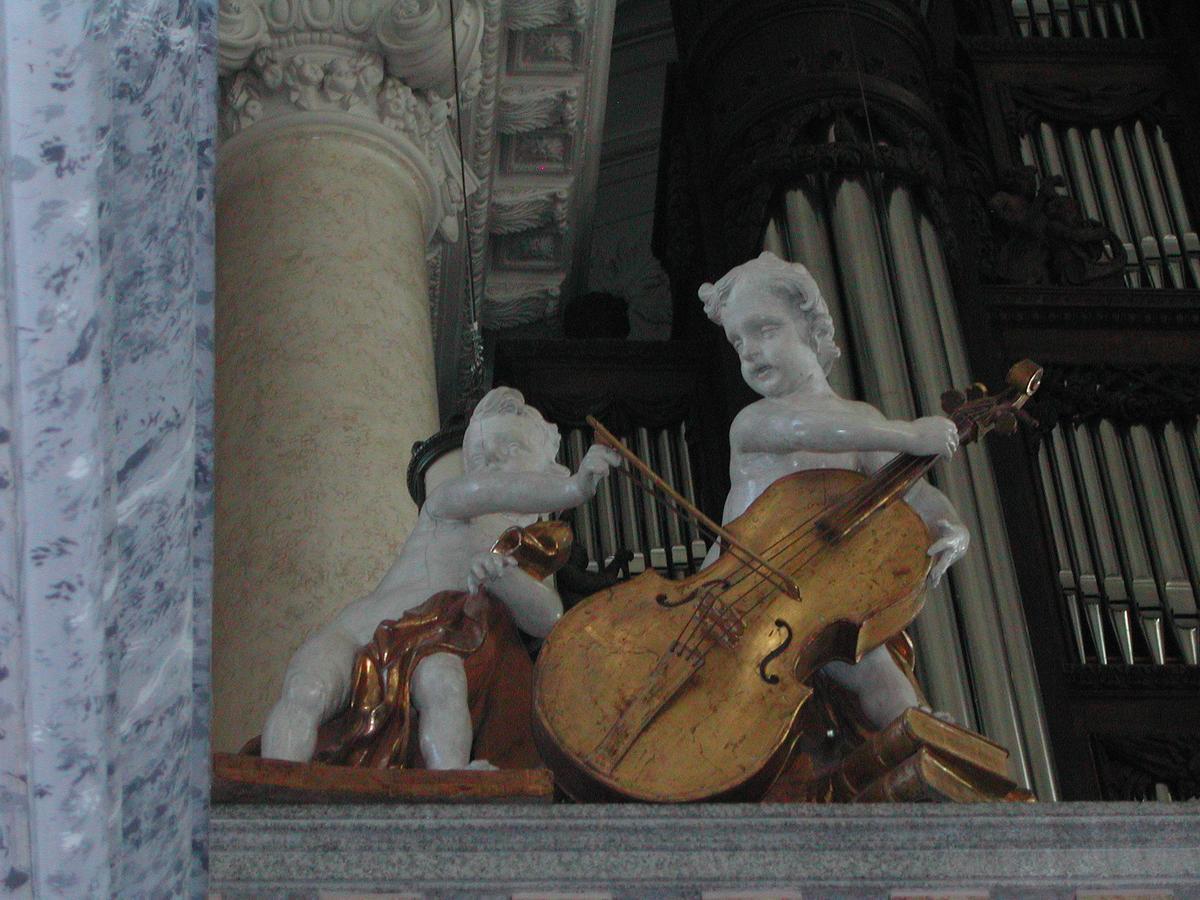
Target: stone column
point(338, 167)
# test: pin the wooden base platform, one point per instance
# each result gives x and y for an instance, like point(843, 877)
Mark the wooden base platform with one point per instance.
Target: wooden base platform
point(251, 779)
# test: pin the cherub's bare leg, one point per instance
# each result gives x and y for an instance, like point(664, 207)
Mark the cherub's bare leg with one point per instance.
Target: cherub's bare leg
point(439, 692)
point(881, 686)
point(316, 686)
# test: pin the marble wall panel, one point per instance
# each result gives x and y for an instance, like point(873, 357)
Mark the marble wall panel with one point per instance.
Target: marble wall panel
point(107, 129)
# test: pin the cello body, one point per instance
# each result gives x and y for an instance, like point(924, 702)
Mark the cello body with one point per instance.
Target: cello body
point(620, 715)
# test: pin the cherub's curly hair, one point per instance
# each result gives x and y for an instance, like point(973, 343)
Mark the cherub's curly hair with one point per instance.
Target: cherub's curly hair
point(501, 401)
point(788, 281)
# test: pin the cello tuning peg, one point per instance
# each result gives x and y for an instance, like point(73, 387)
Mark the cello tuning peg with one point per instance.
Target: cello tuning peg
point(1026, 376)
point(1006, 424)
point(976, 391)
point(952, 400)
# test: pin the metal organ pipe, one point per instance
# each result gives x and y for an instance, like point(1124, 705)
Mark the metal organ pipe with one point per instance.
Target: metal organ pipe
point(931, 374)
point(1098, 538)
point(1125, 176)
point(584, 515)
point(653, 530)
point(1114, 210)
point(807, 238)
point(1155, 195)
point(1135, 205)
point(1079, 18)
point(843, 250)
point(992, 536)
point(1157, 506)
point(1185, 483)
point(885, 278)
point(1085, 188)
point(1170, 179)
point(627, 516)
point(1067, 577)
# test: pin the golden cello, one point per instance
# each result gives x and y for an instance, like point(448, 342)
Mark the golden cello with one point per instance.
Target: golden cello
point(660, 690)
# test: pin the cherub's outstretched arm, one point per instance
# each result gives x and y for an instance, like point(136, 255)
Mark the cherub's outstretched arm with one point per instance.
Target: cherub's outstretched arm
point(771, 427)
point(951, 537)
point(535, 605)
point(492, 490)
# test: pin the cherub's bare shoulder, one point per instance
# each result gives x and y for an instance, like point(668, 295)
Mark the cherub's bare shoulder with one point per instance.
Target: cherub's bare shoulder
point(450, 498)
point(866, 410)
point(752, 417)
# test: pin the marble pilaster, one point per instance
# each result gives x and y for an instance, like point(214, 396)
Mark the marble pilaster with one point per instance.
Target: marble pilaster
point(338, 168)
point(106, 140)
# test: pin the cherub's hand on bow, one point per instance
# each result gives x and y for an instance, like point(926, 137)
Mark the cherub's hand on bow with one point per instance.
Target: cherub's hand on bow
point(596, 464)
point(486, 568)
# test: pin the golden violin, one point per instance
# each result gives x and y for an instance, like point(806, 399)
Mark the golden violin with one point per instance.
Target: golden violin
point(690, 690)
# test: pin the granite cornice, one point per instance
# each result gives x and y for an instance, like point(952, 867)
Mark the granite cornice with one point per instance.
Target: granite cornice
point(1014, 849)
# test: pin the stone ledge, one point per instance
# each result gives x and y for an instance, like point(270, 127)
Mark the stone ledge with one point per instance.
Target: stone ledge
point(1007, 850)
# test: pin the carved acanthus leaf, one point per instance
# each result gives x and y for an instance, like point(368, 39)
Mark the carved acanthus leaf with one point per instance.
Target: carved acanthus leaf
point(522, 15)
point(410, 37)
point(243, 106)
point(1024, 105)
point(509, 303)
point(524, 109)
point(521, 210)
point(351, 18)
point(243, 29)
point(415, 38)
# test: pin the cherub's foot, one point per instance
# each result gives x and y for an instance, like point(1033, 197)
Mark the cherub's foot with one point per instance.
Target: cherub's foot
point(481, 765)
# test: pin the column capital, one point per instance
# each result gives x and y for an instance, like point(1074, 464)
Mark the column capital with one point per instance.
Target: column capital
point(386, 66)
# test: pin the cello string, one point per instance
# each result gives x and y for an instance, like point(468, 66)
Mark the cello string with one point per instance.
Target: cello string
point(652, 489)
point(903, 466)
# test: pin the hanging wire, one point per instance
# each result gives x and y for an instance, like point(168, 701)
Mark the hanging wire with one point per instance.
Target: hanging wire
point(862, 89)
point(473, 302)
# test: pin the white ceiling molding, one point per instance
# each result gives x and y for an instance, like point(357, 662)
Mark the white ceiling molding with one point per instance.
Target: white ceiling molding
point(516, 210)
point(521, 15)
point(533, 136)
point(528, 108)
point(519, 301)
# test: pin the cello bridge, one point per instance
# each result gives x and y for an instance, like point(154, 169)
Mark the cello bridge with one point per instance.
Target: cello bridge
point(719, 621)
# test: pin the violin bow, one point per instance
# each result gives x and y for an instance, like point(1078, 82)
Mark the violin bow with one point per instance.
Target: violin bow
point(783, 581)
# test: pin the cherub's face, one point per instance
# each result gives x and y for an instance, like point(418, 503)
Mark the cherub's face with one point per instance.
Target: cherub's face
point(772, 343)
point(521, 442)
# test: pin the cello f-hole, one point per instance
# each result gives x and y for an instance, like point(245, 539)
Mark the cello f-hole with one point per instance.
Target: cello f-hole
point(787, 639)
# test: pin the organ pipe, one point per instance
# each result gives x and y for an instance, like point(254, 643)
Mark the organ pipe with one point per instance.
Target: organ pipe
point(1125, 176)
point(1079, 18)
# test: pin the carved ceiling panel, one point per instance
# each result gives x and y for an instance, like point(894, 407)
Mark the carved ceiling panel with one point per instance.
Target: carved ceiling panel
point(548, 115)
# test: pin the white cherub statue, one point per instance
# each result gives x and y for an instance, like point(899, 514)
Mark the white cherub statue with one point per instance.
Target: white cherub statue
point(511, 477)
point(776, 319)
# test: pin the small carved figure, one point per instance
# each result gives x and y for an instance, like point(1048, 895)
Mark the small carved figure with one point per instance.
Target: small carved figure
point(776, 319)
point(511, 477)
point(1042, 237)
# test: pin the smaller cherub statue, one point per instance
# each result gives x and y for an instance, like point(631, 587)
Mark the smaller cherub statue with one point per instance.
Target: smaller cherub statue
point(776, 319)
point(511, 478)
